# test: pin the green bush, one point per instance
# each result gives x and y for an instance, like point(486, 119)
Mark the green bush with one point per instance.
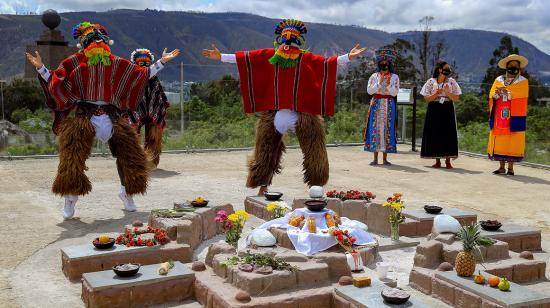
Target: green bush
point(31, 149)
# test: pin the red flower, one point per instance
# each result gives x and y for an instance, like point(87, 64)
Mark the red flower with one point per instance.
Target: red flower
point(149, 243)
point(340, 237)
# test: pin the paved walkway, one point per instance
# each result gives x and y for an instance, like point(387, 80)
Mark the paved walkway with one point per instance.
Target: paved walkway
point(33, 230)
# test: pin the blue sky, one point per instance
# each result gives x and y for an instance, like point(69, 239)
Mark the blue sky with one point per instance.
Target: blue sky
point(528, 19)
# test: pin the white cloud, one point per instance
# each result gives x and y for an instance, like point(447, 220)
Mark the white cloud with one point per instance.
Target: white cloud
point(528, 19)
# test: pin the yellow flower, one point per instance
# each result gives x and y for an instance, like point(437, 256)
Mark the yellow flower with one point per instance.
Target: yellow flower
point(387, 204)
point(233, 217)
point(272, 206)
point(243, 214)
point(396, 205)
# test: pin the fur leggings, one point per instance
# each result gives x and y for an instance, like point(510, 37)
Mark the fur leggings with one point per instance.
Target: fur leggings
point(265, 161)
point(153, 141)
point(76, 137)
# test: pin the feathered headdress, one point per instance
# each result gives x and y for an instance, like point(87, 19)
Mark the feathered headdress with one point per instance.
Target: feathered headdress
point(296, 27)
point(142, 57)
point(386, 54)
point(83, 29)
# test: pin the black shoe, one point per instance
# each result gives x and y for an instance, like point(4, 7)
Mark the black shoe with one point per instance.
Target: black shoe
point(510, 172)
point(499, 171)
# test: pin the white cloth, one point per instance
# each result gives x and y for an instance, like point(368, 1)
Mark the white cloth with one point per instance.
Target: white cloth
point(103, 127)
point(431, 86)
point(231, 58)
point(311, 243)
point(285, 120)
point(375, 86)
point(153, 70)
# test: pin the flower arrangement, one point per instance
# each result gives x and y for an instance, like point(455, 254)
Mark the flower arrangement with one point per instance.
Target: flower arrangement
point(351, 195)
point(132, 238)
point(396, 217)
point(343, 238)
point(277, 209)
point(232, 225)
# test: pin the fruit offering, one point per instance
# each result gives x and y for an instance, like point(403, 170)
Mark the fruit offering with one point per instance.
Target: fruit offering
point(166, 267)
point(104, 239)
point(493, 281)
point(296, 220)
point(479, 279)
point(199, 199)
point(330, 221)
point(504, 284)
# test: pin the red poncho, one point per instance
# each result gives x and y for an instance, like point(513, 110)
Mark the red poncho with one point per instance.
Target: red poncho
point(309, 87)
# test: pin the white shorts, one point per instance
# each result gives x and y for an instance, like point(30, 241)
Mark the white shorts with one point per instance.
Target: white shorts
point(285, 120)
point(103, 127)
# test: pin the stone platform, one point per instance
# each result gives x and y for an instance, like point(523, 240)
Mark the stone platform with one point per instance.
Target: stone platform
point(463, 292)
point(256, 205)
point(368, 297)
point(419, 223)
point(76, 260)
point(192, 228)
point(518, 237)
point(148, 287)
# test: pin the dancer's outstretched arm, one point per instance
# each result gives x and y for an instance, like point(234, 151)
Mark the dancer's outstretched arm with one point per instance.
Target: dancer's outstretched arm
point(215, 54)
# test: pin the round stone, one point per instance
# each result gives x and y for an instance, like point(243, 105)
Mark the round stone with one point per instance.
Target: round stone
point(198, 266)
point(266, 270)
point(446, 224)
point(526, 255)
point(243, 296)
point(51, 19)
point(345, 281)
point(445, 267)
point(137, 223)
point(263, 238)
point(316, 192)
point(246, 267)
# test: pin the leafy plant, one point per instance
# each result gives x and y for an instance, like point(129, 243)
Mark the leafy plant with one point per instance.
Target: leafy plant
point(259, 260)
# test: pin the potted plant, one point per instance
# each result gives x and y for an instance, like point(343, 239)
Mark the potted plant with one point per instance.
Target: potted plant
point(232, 225)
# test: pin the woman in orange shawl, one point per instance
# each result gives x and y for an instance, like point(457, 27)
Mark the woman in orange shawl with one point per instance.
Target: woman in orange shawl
point(508, 106)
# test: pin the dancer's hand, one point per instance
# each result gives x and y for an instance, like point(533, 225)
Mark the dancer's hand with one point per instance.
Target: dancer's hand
point(356, 51)
point(169, 56)
point(213, 54)
point(36, 60)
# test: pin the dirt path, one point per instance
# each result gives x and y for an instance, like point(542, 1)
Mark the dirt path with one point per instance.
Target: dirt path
point(34, 231)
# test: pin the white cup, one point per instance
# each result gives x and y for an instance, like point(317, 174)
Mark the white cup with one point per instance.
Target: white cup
point(382, 269)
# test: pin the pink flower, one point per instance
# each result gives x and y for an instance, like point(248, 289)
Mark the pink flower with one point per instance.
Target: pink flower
point(228, 225)
point(221, 216)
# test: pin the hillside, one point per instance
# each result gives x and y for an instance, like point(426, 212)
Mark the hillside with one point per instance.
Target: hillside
point(192, 31)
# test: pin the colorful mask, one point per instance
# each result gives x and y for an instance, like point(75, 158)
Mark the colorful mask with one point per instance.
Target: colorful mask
point(94, 40)
point(289, 43)
point(142, 57)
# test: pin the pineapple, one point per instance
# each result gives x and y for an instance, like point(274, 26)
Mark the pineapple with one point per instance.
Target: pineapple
point(465, 263)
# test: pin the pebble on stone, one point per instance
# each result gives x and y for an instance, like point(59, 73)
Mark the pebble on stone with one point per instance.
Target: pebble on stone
point(137, 223)
point(445, 267)
point(345, 281)
point(526, 255)
point(266, 270)
point(198, 266)
point(246, 268)
point(243, 296)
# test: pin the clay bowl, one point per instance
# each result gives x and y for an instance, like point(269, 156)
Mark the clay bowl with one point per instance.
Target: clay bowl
point(133, 268)
point(107, 245)
point(432, 209)
point(196, 204)
point(273, 196)
point(395, 296)
point(315, 205)
point(490, 225)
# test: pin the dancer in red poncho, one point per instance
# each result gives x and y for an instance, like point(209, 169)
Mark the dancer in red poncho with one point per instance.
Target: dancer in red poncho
point(98, 88)
point(290, 88)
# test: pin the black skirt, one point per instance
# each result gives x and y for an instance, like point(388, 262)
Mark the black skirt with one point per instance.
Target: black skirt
point(439, 139)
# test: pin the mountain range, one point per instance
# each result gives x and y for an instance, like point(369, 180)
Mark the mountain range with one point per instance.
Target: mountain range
point(193, 31)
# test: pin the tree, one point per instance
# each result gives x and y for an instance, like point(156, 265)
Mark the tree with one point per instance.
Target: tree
point(22, 94)
point(424, 45)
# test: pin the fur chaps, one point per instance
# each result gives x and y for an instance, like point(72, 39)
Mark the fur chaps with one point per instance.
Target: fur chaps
point(310, 130)
point(265, 161)
point(153, 141)
point(76, 137)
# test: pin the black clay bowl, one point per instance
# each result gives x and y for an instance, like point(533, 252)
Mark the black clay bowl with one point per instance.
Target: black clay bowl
point(126, 272)
point(273, 196)
point(107, 245)
point(395, 300)
point(432, 209)
point(315, 205)
point(196, 204)
point(490, 226)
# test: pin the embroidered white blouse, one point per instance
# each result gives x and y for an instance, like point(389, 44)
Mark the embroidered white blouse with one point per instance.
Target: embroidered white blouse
point(431, 86)
point(376, 86)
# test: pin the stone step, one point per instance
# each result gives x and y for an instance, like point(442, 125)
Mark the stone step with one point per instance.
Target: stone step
point(256, 205)
point(192, 228)
point(213, 291)
point(148, 287)
point(518, 237)
point(516, 269)
point(368, 297)
point(76, 260)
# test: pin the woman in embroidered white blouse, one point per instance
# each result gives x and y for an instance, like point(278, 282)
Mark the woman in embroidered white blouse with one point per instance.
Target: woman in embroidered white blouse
point(439, 139)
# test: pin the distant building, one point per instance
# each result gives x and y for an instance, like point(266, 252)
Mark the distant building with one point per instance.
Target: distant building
point(544, 101)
